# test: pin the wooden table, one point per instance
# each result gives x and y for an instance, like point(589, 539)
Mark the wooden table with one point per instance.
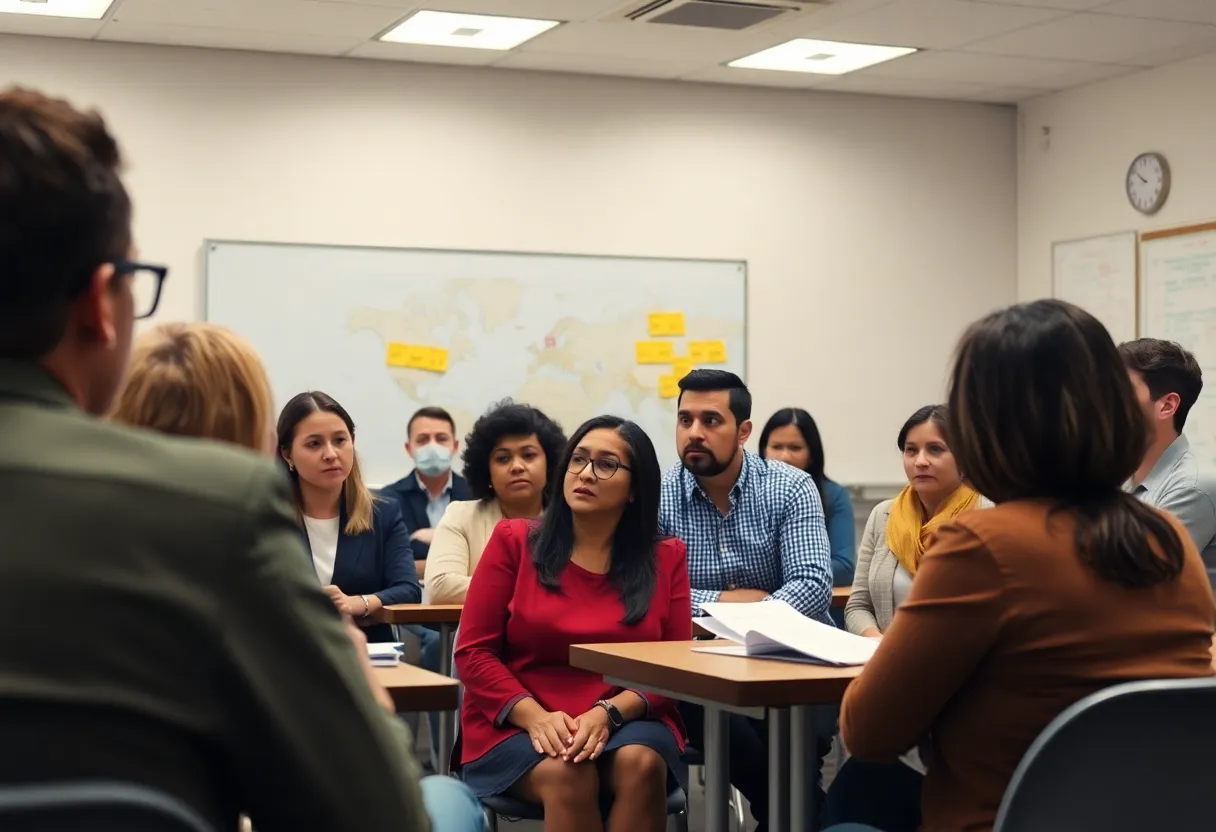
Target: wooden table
point(784, 692)
point(415, 689)
point(447, 617)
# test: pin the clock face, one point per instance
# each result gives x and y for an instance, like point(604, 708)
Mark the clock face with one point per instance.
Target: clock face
point(1148, 182)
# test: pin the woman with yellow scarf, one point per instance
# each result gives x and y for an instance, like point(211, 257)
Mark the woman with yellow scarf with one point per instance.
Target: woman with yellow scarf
point(887, 796)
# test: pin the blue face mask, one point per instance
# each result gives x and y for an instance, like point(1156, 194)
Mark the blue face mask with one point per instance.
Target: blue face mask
point(432, 459)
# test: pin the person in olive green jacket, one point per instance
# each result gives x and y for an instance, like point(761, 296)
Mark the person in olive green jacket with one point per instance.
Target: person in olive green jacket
point(159, 620)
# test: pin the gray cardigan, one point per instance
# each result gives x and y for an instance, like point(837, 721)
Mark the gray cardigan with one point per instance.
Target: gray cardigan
point(872, 601)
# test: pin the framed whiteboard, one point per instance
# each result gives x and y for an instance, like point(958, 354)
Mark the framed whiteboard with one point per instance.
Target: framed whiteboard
point(1099, 274)
point(1178, 303)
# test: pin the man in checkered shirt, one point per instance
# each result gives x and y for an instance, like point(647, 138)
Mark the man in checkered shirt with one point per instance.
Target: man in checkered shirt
point(755, 531)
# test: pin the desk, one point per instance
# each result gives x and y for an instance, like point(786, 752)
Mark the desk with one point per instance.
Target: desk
point(415, 689)
point(785, 692)
point(447, 616)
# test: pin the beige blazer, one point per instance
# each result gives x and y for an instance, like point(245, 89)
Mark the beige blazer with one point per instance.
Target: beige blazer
point(456, 547)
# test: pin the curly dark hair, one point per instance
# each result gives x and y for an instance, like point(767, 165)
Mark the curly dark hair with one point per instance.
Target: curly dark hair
point(509, 419)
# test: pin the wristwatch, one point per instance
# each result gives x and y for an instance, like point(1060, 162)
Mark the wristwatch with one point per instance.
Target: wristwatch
point(615, 721)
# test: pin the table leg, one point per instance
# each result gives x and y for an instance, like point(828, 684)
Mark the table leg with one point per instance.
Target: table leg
point(802, 760)
point(717, 769)
point(778, 769)
point(446, 718)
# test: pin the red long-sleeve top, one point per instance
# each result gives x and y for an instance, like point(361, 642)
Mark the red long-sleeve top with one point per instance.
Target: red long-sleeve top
point(515, 636)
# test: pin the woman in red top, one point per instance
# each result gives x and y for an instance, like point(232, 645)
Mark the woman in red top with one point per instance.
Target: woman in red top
point(593, 570)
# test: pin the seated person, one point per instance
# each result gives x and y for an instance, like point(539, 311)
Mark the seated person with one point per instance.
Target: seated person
point(426, 492)
point(1167, 380)
point(892, 548)
point(593, 570)
point(510, 457)
point(754, 531)
point(201, 380)
point(179, 559)
point(360, 549)
point(791, 436)
point(1068, 585)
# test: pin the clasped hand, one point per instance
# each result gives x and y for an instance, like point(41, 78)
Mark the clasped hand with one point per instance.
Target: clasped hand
point(574, 740)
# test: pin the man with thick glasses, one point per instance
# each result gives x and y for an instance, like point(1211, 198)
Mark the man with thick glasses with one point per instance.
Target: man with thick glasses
point(162, 625)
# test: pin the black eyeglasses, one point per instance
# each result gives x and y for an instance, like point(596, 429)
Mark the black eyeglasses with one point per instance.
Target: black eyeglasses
point(146, 283)
point(603, 468)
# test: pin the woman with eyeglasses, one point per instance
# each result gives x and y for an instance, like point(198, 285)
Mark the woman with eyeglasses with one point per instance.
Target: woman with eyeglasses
point(593, 570)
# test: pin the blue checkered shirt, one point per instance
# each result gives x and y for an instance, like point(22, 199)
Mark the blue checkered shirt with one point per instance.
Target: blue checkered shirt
point(773, 538)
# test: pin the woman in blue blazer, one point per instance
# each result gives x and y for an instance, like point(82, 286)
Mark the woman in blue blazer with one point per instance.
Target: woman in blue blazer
point(360, 546)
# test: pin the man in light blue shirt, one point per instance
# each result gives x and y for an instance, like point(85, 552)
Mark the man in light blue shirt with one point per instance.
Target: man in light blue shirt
point(1168, 381)
point(755, 531)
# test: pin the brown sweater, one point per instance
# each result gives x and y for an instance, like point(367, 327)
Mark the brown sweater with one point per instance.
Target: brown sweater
point(1004, 628)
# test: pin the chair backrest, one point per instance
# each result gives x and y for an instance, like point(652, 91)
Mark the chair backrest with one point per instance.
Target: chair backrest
point(1130, 758)
point(88, 806)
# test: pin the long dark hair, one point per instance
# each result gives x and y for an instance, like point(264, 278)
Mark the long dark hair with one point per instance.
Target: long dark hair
point(357, 499)
point(1043, 409)
point(633, 543)
point(802, 420)
point(938, 414)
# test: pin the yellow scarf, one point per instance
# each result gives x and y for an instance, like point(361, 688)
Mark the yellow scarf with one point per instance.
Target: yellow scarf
point(908, 532)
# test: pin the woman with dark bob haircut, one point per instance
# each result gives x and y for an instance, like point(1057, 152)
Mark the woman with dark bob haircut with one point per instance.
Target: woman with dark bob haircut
point(1068, 585)
point(510, 457)
point(594, 569)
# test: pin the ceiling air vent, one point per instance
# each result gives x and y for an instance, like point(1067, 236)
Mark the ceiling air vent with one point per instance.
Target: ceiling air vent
point(731, 15)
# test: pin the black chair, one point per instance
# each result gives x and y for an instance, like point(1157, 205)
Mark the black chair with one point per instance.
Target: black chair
point(1131, 758)
point(511, 808)
point(89, 806)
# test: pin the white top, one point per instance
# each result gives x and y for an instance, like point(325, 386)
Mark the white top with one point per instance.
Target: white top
point(323, 540)
point(901, 585)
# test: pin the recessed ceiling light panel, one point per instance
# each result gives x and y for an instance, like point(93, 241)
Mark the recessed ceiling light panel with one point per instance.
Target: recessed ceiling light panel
point(470, 31)
point(820, 57)
point(89, 9)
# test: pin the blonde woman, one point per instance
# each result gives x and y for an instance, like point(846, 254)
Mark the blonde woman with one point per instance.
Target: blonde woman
point(360, 545)
point(199, 380)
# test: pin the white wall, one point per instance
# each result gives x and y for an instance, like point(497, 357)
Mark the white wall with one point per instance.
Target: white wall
point(1074, 186)
point(875, 229)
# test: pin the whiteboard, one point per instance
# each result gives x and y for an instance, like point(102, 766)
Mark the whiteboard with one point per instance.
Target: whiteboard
point(1099, 275)
point(386, 331)
point(1178, 303)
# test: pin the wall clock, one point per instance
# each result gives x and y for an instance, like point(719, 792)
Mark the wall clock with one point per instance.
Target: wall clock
point(1148, 182)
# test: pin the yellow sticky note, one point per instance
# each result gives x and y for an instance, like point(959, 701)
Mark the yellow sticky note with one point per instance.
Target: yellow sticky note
point(654, 352)
point(681, 367)
point(666, 323)
point(397, 355)
point(707, 352)
point(669, 386)
point(437, 360)
point(418, 356)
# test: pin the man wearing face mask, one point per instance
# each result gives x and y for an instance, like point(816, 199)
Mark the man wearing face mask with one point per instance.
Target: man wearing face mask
point(425, 493)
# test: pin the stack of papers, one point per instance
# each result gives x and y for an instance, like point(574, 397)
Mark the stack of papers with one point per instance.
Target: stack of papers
point(775, 630)
point(385, 654)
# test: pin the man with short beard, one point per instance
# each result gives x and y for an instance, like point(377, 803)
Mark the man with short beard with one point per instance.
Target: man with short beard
point(755, 531)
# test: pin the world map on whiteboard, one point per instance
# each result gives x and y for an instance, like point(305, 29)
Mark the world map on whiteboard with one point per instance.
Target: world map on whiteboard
point(611, 336)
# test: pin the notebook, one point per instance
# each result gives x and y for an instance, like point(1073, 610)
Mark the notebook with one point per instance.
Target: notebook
point(385, 653)
point(775, 630)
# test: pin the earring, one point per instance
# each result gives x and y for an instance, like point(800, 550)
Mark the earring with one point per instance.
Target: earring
point(290, 467)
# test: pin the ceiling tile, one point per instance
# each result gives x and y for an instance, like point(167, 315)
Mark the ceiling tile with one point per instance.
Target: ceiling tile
point(595, 65)
point(1100, 38)
point(1162, 55)
point(911, 87)
point(1187, 11)
point(933, 24)
point(637, 40)
point(1008, 95)
point(998, 70)
point(419, 53)
point(226, 38)
point(51, 27)
point(1066, 5)
point(757, 77)
point(306, 17)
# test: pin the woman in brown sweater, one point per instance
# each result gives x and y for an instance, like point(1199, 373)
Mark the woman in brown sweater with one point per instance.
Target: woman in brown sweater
point(1067, 586)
